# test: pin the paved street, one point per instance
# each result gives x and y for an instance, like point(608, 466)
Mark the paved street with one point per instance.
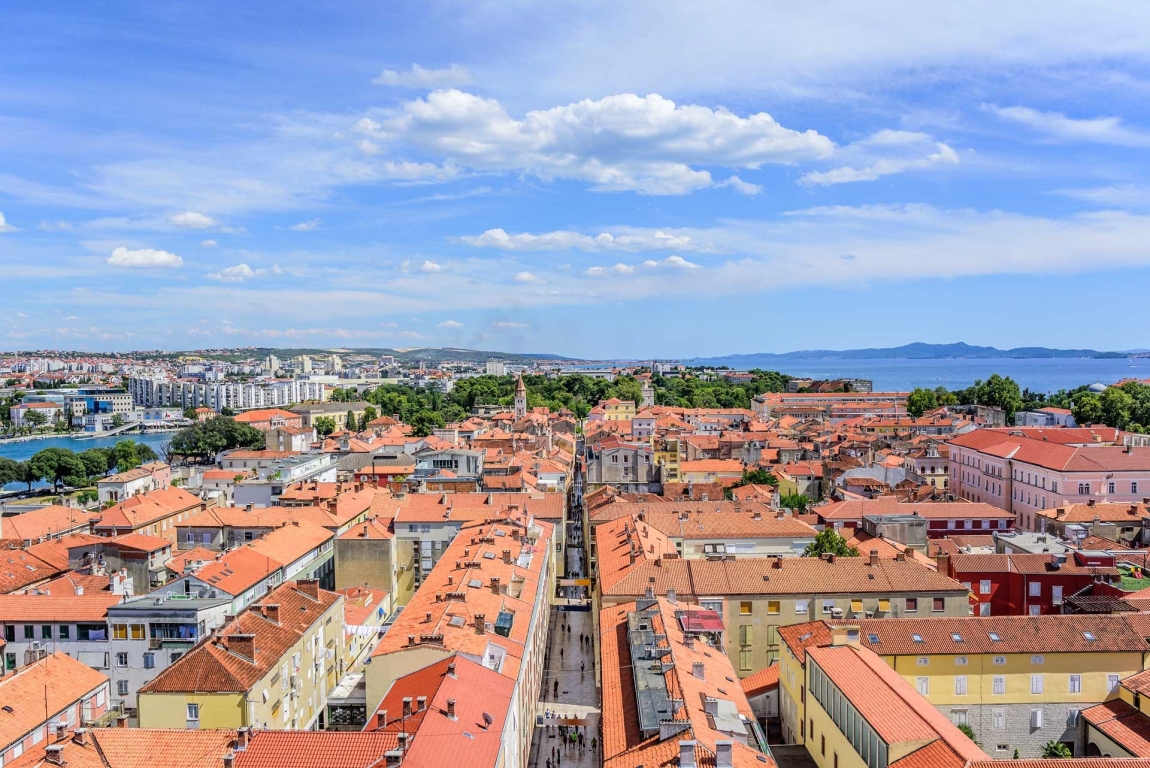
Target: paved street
point(575, 699)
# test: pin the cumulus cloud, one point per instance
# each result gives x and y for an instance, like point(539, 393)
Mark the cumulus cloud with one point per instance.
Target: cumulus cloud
point(430, 266)
point(239, 273)
point(307, 226)
point(943, 155)
point(505, 324)
point(419, 77)
point(450, 324)
point(4, 225)
point(528, 277)
point(191, 220)
point(647, 144)
point(144, 258)
point(209, 243)
point(1095, 130)
point(740, 186)
point(676, 263)
point(561, 240)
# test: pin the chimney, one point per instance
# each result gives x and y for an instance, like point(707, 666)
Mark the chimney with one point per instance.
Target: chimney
point(272, 612)
point(1090, 503)
point(420, 703)
point(698, 670)
point(873, 557)
point(495, 584)
point(689, 641)
point(411, 639)
point(724, 753)
point(381, 719)
point(943, 561)
point(778, 562)
point(650, 593)
point(427, 618)
point(480, 624)
point(80, 736)
point(248, 507)
point(203, 506)
point(671, 597)
point(407, 700)
point(451, 708)
point(309, 587)
point(230, 760)
point(687, 754)
point(332, 506)
point(79, 590)
point(242, 738)
point(243, 645)
point(451, 669)
point(507, 556)
point(54, 754)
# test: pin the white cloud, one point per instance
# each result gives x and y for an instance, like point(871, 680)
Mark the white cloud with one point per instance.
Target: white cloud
point(430, 266)
point(144, 258)
point(646, 144)
point(55, 226)
point(528, 277)
point(740, 186)
point(561, 240)
point(1115, 196)
point(450, 324)
point(942, 156)
point(421, 78)
point(209, 243)
point(191, 220)
point(1096, 130)
point(677, 263)
point(307, 226)
point(4, 225)
point(507, 324)
point(238, 273)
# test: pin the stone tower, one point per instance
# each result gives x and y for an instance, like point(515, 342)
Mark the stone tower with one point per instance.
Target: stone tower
point(520, 398)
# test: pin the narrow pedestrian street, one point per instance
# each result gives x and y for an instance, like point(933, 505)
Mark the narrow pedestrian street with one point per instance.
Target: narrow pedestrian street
point(569, 703)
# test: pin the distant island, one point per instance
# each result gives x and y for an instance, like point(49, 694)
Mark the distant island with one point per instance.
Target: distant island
point(915, 351)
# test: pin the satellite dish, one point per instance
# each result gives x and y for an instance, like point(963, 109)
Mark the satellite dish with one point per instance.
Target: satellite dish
point(487, 721)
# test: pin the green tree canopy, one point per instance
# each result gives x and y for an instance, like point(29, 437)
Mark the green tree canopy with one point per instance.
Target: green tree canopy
point(324, 425)
point(58, 465)
point(829, 541)
point(204, 439)
point(920, 401)
point(1056, 750)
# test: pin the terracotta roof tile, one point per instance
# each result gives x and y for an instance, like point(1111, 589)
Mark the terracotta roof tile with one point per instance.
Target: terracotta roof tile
point(45, 686)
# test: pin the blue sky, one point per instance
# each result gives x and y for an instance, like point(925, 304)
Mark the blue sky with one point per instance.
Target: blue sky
point(592, 179)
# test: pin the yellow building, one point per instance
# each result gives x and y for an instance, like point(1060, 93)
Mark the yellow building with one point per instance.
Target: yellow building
point(1017, 681)
point(615, 409)
point(271, 667)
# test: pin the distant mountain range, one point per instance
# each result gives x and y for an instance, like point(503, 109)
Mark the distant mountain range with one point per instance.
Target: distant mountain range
point(916, 351)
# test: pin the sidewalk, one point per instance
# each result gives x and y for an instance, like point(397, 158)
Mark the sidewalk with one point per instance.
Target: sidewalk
point(576, 696)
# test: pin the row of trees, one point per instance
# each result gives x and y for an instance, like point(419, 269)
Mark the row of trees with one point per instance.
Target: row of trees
point(204, 439)
point(60, 466)
point(1124, 407)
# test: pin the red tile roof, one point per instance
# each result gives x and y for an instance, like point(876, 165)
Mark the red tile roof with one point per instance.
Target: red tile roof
point(309, 749)
point(766, 679)
point(42, 689)
point(45, 523)
point(1124, 724)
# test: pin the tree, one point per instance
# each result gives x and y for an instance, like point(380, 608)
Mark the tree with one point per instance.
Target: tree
point(95, 461)
point(1087, 409)
point(87, 497)
point(968, 731)
point(324, 426)
point(1000, 392)
point(58, 465)
point(117, 421)
point(350, 421)
point(1056, 750)
point(204, 439)
point(124, 456)
point(829, 541)
point(797, 501)
point(35, 418)
point(369, 415)
point(920, 401)
point(226, 411)
point(424, 421)
point(26, 474)
point(190, 413)
point(9, 471)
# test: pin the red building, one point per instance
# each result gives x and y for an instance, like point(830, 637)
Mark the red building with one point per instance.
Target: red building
point(1019, 585)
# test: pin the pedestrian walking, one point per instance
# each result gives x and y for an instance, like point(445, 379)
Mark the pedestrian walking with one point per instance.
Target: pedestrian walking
point(594, 743)
point(581, 668)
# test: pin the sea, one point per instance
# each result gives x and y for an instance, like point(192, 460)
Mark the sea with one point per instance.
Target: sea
point(21, 450)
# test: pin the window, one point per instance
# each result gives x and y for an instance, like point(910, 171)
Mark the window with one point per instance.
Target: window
point(1036, 684)
point(149, 661)
point(121, 687)
point(121, 659)
point(119, 631)
point(1134, 487)
point(137, 631)
point(828, 606)
point(1036, 589)
point(939, 605)
point(1054, 487)
point(960, 685)
point(1110, 487)
point(193, 715)
point(1076, 684)
point(746, 659)
point(801, 607)
point(994, 637)
point(960, 661)
point(1090, 637)
point(1037, 659)
point(958, 716)
point(45, 631)
point(29, 632)
point(1084, 489)
point(1056, 594)
point(773, 607)
point(1111, 682)
point(923, 661)
point(999, 719)
point(911, 604)
point(916, 637)
point(64, 631)
point(999, 685)
point(923, 685)
point(856, 606)
point(984, 587)
point(10, 633)
point(884, 604)
point(745, 608)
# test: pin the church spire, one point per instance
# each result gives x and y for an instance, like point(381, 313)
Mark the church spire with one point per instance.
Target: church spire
point(520, 398)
